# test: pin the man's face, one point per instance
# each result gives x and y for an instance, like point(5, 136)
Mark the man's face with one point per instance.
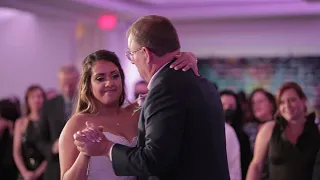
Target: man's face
point(138, 56)
point(68, 82)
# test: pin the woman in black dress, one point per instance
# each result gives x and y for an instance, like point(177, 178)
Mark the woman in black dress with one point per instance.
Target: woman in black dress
point(262, 107)
point(291, 142)
point(26, 153)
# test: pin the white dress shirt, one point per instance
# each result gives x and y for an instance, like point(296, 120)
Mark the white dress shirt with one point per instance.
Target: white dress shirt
point(155, 75)
point(233, 153)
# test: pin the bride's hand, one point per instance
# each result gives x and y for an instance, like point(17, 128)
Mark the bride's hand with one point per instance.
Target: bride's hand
point(91, 132)
point(185, 61)
point(89, 147)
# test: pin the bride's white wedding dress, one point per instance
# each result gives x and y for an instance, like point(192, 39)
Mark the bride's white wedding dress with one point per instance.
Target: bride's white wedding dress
point(100, 167)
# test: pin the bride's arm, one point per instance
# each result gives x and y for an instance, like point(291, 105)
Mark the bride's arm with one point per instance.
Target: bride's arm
point(184, 61)
point(73, 164)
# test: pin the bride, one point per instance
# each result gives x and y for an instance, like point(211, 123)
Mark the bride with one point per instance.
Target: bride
point(100, 101)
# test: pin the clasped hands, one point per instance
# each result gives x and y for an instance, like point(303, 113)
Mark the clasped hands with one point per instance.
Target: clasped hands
point(91, 141)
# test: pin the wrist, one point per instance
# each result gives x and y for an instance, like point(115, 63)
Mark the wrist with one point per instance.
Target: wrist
point(84, 155)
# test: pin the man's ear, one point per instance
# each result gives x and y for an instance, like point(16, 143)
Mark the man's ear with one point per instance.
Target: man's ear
point(148, 54)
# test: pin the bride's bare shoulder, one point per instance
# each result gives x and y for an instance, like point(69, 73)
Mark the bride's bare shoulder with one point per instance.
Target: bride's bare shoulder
point(77, 121)
point(79, 117)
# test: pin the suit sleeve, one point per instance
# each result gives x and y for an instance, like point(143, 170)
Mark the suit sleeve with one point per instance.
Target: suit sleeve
point(44, 142)
point(164, 125)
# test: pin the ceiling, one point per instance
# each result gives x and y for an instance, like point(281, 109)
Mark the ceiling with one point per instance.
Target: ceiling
point(176, 10)
point(209, 9)
point(182, 3)
point(67, 9)
point(6, 13)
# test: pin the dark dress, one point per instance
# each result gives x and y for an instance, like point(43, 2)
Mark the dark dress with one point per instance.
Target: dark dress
point(31, 154)
point(8, 168)
point(252, 129)
point(289, 161)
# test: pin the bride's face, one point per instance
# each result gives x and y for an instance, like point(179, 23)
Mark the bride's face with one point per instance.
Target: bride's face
point(106, 83)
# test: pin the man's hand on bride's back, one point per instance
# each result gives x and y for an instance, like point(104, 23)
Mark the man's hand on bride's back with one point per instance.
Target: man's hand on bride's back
point(185, 61)
point(91, 141)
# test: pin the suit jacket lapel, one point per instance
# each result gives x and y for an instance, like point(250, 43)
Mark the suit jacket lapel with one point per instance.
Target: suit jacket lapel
point(141, 126)
point(159, 75)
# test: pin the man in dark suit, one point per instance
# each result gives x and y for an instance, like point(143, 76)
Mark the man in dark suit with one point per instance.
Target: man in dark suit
point(316, 169)
point(54, 115)
point(181, 126)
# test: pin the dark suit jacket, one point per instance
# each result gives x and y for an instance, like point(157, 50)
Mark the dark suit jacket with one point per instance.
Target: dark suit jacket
point(52, 121)
point(316, 169)
point(181, 132)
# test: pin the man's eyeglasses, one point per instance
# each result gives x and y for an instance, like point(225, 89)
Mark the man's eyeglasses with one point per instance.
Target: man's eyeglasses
point(130, 54)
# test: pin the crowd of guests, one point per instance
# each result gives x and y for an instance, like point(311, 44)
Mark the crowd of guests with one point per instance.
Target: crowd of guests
point(279, 140)
point(267, 137)
point(29, 141)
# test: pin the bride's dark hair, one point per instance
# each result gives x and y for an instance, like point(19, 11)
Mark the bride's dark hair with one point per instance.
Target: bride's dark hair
point(85, 102)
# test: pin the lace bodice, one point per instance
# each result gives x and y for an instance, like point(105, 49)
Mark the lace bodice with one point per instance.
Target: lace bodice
point(100, 167)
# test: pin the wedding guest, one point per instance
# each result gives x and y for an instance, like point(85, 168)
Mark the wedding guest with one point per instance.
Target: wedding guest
point(234, 117)
point(9, 112)
point(262, 106)
point(316, 169)
point(54, 116)
point(290, 142)
point(26, 152)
